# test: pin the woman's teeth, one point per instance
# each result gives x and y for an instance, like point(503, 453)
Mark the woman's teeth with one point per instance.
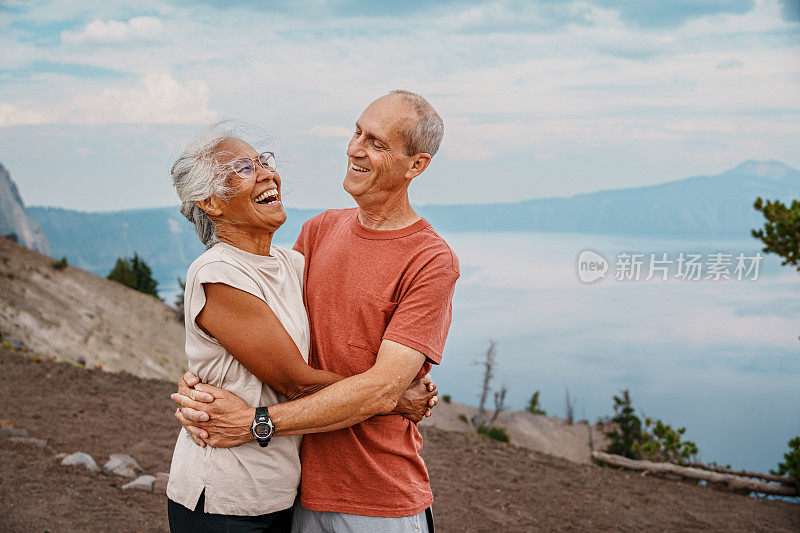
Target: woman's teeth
point(267, 196)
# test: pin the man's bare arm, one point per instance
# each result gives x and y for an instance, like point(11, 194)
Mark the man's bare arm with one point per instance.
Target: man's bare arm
point(339, 405)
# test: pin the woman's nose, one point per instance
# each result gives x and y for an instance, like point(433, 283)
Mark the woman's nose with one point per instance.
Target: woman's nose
point(265, 173)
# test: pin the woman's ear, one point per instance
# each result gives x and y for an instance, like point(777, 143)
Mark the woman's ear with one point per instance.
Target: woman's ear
point(210, 205)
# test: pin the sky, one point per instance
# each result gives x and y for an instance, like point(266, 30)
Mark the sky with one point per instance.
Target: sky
point(539, 99)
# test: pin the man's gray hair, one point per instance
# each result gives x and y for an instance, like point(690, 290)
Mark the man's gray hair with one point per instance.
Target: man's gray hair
point(427, 134)
point(200, 172)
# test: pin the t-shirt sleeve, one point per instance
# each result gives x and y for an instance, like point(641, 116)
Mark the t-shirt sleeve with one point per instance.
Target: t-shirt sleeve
point(214, 272)
point(423, 315)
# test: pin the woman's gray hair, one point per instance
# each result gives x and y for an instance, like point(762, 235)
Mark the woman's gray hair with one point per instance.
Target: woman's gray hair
point(429, 130)
point(201, 172)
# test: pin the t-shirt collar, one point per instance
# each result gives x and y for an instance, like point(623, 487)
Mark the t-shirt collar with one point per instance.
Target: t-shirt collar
point(369, 233)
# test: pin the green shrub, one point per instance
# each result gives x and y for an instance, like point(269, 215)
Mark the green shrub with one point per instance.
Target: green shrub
point(494, 432)
point(533, 405)
point(656, 441)
point(663, 443)
point(791, 466)
point(463, 418)
point(61, 264)
point(7, 345)
point(446, 398)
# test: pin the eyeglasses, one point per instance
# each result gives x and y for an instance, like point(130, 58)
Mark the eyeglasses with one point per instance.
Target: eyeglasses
point(245, 167)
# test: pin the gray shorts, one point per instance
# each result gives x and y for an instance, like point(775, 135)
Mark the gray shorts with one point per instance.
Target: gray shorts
point(307, 521)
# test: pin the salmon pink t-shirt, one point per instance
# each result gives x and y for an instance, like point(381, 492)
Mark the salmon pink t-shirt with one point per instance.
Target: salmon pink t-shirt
point(363, 286)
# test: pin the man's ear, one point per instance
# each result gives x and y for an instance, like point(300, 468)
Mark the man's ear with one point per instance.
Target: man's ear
point(210, 205)
point(421, 162)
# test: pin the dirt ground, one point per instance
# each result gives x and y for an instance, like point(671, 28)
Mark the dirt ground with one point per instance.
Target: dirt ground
point(479, 485)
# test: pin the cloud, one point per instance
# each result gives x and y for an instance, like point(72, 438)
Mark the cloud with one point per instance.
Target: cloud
point(115, 31)
point(676, 12)
point(13, 115)
point(730, 63)
point(330, 131)
point(555, 88)
point(158, 99)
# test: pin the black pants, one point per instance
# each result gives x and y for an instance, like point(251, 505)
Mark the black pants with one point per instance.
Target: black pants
point(429, 518)
point(182, 520)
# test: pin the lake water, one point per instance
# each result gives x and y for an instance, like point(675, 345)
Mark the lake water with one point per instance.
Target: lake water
point(721, 358)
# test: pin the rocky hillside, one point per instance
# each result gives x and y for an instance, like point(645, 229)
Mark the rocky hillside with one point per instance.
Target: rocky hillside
point(73, 315)
point(544, 434)
point(478, 484)
point(15, 219)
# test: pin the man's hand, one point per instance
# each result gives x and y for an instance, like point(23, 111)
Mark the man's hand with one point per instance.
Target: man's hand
point(418, 399)
point(215, 416)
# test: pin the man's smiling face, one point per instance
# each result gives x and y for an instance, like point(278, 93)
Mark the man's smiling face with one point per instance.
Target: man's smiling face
point(377, 159)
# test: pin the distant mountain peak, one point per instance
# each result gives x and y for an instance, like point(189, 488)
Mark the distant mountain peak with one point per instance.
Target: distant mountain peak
point(766, 169)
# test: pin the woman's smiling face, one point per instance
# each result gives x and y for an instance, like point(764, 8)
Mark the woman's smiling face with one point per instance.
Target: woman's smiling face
point(256, 202)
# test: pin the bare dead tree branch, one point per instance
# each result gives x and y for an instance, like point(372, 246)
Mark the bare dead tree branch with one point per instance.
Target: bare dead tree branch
point(733, 482)
point(499, 404)
point(488, 363)
point(785, 480)
point(570, 406)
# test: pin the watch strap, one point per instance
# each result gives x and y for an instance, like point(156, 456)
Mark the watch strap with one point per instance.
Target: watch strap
point(262, 417)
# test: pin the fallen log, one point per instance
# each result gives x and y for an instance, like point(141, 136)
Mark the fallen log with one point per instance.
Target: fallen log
point(785, 480)
point(733, 482)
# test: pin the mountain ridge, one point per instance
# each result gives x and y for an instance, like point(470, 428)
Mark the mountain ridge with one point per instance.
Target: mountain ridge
point(699, 207)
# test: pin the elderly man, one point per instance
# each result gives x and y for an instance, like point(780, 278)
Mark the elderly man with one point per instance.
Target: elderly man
point(378, 285)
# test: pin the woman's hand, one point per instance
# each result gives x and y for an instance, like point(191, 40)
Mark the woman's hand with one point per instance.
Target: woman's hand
point(418, 399)
point(212, 415)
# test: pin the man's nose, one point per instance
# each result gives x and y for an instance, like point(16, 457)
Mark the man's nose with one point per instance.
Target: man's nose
point(356, 148)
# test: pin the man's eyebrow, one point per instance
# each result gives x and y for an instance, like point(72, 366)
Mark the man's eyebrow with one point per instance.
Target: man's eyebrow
point(372, 137)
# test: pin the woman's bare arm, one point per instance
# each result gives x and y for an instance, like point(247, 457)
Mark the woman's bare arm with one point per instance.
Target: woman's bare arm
point(251, 332)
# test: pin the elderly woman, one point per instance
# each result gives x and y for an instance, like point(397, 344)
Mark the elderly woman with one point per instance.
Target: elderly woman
point(247, 331)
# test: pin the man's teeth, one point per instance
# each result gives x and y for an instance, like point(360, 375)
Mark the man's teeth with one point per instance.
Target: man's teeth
point(358, 168)
point(266, 194)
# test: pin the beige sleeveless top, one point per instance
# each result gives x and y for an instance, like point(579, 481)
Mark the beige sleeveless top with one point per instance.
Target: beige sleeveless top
point(245, 480)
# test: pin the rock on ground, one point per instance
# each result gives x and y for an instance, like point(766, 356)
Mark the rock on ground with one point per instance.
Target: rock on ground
point(14, 432)
point(123, 465)
point(144, 482)
point(80, 458)
point(36, 443)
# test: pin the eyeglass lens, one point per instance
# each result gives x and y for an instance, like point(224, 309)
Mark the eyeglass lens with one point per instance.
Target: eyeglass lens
point(245, 167)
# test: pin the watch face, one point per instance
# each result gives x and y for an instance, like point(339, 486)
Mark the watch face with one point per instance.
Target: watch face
point(262, 430)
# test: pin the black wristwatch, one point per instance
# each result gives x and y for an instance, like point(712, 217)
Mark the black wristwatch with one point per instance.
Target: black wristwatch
point(262, 428)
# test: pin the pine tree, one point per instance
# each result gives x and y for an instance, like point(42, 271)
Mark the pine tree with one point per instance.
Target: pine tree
point(134, 273)
point(781, 232)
